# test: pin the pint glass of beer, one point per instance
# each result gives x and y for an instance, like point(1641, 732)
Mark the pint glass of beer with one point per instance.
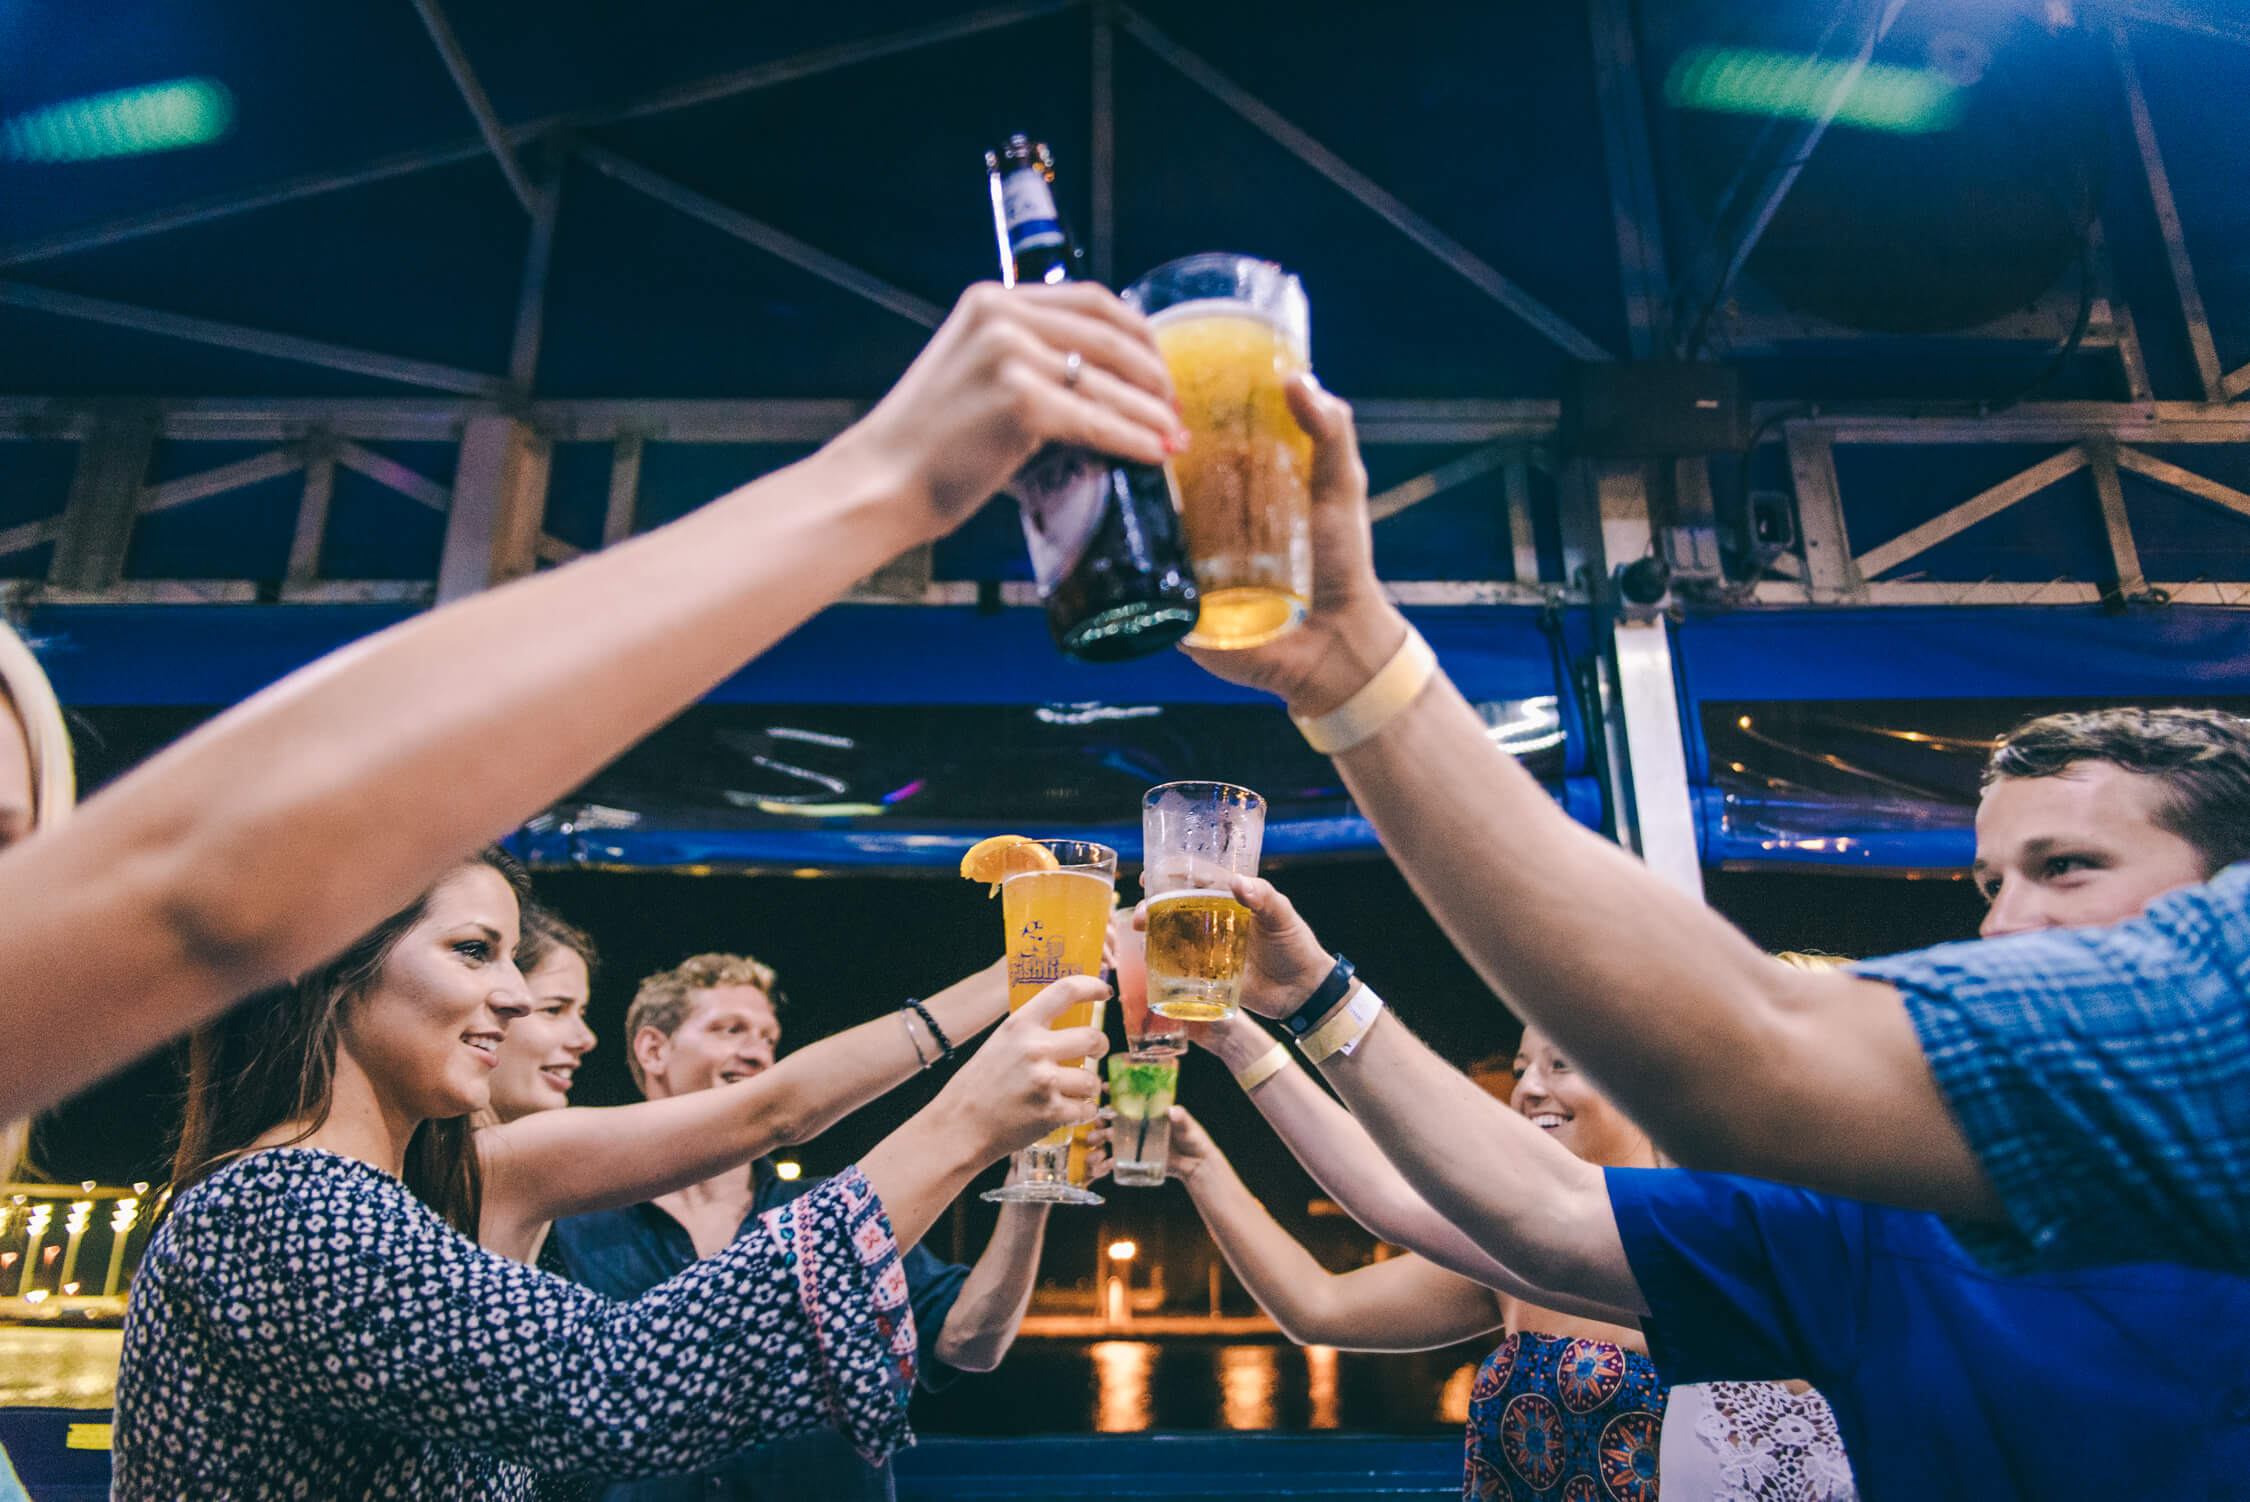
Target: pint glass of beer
point(1233, 330)
point(1056, 917)
point(1145, 1031)
point(1195, 836)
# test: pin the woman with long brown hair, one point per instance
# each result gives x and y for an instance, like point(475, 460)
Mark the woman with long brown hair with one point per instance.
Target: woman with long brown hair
point(313, 1319)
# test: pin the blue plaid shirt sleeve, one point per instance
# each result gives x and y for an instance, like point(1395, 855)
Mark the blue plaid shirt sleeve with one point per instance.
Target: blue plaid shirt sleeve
point(2103, 1078)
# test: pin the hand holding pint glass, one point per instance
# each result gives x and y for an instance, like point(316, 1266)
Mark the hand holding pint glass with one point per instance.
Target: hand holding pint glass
point(1196, 838)
point(1055, 897)
point(1233, 331)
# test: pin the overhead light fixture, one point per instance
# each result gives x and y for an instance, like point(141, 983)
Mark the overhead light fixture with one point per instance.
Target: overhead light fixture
point(127, 122)
point(1798, 86)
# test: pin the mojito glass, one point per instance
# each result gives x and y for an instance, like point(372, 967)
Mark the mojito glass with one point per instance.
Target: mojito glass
point(1141, 1089)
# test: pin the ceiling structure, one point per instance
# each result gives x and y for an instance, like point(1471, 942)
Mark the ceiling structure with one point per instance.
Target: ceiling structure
point(476, 286)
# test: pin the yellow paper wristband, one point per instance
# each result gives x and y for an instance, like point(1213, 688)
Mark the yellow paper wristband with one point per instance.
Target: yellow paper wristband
point(1395, 685)
point(1264, 1067)
point(1342, 1032)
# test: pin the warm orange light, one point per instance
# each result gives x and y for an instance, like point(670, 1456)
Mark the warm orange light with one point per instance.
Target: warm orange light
point(1122, 1251)
point(788, 1170)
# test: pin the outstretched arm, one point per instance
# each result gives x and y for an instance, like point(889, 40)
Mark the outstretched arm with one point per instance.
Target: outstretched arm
point(545, 1166)
point(1728, 1059)
point(1346, 1162)
point(258, 845)
point(982, 1324)
point(1403, 1304)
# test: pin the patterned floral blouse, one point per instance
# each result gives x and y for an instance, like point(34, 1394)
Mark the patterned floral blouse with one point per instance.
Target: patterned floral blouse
point(1552, 1419)
point(304, 1327)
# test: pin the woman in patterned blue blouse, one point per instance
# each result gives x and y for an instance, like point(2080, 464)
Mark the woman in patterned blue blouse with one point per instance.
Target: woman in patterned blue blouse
point(313, 1320)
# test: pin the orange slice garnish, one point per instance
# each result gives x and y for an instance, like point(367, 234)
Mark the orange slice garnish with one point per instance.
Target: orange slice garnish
point(1003, 856)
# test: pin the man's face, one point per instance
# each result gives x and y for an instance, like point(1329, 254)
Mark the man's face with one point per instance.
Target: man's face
point(2079, 849)
point(730, 1034)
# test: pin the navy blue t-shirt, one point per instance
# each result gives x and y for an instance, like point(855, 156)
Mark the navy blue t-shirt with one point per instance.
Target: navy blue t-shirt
point(1947, 1381)
point(624, 1253)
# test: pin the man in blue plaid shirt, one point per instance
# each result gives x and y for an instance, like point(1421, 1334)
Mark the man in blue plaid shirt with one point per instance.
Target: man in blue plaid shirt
point(2087, 1090)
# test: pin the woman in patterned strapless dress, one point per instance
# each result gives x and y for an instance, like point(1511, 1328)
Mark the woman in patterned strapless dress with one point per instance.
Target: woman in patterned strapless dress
point(1568, 1409)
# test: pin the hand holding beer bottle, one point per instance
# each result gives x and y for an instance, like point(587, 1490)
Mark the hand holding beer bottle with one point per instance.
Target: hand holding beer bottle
point(997, 384)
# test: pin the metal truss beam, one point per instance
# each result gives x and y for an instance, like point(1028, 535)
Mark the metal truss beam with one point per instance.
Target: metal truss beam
point(311, 531)
point(250, 341)
point(96, 527)
point(791, 420)
point(1421, 231)
point(254, 470)
point(1924, 593)
point(2184, 18)
point(1523, 539)
point(480, 107)
point(1469, 466)
point(1985, 504)
point(1633, 202)
point(2159, 184)
point(531, 288)
point(2186, 481)
point(706, 90)
point(1708, 281)
point(1663, 802)
point(392, 475)
point(2117, 527)
point(763, 235)
point(1830, 572)
point(1102, 81)
point(492, 529)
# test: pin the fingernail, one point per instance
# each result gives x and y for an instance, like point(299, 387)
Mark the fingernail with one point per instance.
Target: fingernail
point(1176, 443)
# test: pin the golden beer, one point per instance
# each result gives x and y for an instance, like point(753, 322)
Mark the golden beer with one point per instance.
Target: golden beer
point(1056, 921)
point(1245, 477)
point(1198, 946)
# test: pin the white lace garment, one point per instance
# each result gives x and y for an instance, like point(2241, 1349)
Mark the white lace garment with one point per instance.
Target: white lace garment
point(1752, 1442)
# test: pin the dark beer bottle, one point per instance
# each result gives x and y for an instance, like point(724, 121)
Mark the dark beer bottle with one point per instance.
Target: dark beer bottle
point(1105, 536)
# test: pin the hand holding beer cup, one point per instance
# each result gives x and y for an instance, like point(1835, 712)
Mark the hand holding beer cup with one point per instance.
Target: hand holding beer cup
point(1032, 1078)
point(1351, 630)
point(1010, 371)
point(1285, 962)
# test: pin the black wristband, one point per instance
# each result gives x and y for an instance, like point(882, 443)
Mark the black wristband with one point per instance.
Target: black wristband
point(1322, 1001)
point(945, 1044)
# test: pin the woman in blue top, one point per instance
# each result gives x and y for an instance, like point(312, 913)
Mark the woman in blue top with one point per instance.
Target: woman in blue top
point(314, 1321)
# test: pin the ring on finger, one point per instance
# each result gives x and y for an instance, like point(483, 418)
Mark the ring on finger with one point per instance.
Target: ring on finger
point(1074, 369)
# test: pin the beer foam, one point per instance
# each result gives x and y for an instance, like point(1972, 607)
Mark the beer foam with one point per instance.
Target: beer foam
point(1167, 896)
point(1227, 307)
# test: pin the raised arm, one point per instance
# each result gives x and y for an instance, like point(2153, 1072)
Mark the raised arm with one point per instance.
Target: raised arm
point(1347, 1163)
point(989, 1309)
point(1728, 1059)
point(550, 1164)
point(255, 846)
point(1403, 1304)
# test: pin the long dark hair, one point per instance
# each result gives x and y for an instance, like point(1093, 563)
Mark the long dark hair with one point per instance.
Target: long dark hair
point(273, 1059)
